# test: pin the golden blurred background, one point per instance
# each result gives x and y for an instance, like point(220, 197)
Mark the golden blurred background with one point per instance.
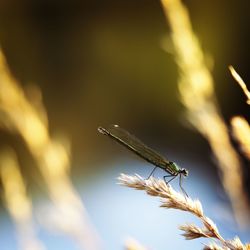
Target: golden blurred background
point(82, 64)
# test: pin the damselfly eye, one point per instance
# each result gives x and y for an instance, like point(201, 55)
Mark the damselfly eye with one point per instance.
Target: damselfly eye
point(184, 172)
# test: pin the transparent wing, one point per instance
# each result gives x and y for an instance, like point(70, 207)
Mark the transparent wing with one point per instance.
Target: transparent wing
point(135, 145)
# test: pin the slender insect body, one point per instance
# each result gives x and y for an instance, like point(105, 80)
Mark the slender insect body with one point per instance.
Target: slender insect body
point(132, 143)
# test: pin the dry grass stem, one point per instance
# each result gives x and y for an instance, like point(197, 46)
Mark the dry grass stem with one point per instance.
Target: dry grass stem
point(17, 202)
point(19, 115)
point(131, 244)
point(191, 232)
point(241, 132)
point(213, 246)
point(240, 81)
point(172, 199)
point(153, 187)
point(196, 88)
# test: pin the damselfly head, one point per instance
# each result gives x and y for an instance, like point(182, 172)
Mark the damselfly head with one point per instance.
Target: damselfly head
point(184, 172)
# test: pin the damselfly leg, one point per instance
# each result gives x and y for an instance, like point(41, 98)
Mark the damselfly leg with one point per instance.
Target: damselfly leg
point(180, 183)
point(167, 182)
point(182, 189)
point(151, 173)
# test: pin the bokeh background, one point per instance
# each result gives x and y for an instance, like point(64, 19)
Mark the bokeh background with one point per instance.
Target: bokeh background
point(103, 62)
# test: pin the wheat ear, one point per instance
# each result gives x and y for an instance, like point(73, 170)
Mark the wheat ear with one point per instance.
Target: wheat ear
point(173, 199)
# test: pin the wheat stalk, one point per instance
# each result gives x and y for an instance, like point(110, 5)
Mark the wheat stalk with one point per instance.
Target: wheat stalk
point(213, 246)
point(197, 93)
point(17, 201)
point(18, 114)
point(173, 199)
point(241, 133)
point(240, 81)
point(132, 244)
point(240, 126)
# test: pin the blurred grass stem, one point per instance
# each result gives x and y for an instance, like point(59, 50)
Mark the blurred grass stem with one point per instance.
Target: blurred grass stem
point(17, 201)
point(241, 132)
point(240, 81)
point(51, 156)
point(196, 89)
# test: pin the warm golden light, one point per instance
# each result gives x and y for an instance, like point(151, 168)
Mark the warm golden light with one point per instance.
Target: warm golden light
point(52, 158)
point(242, 84)
point(196, 88)
point(17, 201)
point(241, 132)
point(132, 244)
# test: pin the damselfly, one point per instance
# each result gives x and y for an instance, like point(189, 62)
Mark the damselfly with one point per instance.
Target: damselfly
point(132, 143)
